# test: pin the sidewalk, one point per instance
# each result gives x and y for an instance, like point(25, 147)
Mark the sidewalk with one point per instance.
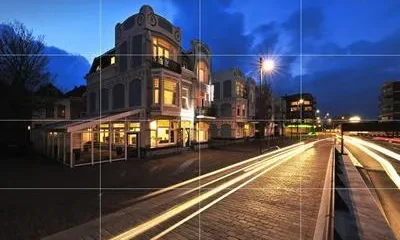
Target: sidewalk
point(29, 213)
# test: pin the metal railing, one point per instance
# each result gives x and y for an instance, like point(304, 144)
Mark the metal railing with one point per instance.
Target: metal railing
point(163, 62)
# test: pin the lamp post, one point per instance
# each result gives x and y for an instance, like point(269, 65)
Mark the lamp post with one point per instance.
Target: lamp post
point(268, 66)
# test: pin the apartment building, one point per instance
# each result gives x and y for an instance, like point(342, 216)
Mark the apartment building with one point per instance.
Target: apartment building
point(234, 105)
point(389, 101)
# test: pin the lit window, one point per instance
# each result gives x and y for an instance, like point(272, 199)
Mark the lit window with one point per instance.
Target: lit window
point(293, 103)
point(162, 132)
point(202, 72)
point(306, 103)
point(156, 87)
point(185, 99)
point(293, 109)
point(112, 60)
point(161, 48)
point(169, 91)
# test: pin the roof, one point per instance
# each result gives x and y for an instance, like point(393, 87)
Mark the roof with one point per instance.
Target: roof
point(105, 60)
point(49, 90)
point(76, 92)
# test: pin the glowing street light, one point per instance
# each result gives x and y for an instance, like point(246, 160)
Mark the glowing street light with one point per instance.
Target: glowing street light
point(268, 65)
point(317, 111)
point(355, 119)
point(301, 101)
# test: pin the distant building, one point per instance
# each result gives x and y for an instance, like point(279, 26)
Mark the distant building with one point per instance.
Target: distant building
point(389, 101)
point(234, 105)
point(56, 106)
point(300, 113)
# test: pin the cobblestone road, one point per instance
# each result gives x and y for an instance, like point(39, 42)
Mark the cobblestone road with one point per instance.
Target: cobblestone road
point(282, 203)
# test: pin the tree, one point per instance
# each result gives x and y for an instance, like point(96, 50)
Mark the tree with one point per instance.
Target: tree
point(23, 69)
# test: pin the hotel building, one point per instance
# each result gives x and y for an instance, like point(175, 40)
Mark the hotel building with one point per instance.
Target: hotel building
point(144, 96)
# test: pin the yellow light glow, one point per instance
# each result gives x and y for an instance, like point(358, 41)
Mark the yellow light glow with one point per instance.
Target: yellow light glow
point(268, 65)
point(301, 101)
point(355, 119)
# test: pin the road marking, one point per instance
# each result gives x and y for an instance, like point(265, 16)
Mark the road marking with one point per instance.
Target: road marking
point(186, 205)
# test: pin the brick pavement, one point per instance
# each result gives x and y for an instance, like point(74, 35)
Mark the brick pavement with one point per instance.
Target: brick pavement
point(281, 204)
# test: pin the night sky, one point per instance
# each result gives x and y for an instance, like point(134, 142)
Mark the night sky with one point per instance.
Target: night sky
point(349, 48)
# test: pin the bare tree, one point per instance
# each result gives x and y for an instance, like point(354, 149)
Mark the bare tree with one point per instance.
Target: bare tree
point(22, 63)
point(23, 69)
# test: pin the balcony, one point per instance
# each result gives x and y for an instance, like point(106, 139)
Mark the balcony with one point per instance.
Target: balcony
point(205, 111)
point(163, 62)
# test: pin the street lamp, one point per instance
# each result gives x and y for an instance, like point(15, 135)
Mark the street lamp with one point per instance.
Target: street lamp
point(267, 66)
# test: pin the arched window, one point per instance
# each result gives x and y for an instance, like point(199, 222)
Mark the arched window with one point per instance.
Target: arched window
point(227, 89)
point(226, 110)
point(226, 131)
point(118, 96)
point(104, 99)
point(202, 71)
point(92, 102)
point(135, 93)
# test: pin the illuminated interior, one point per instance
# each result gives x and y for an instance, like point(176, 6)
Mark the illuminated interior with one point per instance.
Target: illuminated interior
point(203, 72)
point(156, 89)
point(170, 88)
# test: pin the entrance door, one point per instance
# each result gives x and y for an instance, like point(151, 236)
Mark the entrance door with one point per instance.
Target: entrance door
point(133, 143)
point(186, 137)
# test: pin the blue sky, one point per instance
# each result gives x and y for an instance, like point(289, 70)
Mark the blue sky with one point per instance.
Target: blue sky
point(342, 84)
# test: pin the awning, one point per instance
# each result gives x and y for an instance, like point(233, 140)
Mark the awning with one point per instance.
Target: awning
point(108, 118)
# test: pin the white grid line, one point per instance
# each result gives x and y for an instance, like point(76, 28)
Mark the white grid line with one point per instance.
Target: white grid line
point(301, 55)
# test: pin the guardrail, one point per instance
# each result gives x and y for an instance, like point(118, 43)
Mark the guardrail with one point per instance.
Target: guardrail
point(325, 227)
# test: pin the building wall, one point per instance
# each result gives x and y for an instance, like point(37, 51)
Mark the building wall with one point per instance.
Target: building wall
point(389, 101)
point(141, 34)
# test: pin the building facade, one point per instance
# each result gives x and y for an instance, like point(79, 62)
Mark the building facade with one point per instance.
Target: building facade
point(58, 106)
point(149, 73)
point(300, 113)
point(389, 101)
point(146, 95)
point(234, 105)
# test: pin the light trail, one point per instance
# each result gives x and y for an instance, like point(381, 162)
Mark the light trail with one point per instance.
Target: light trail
point(277, 160)
point(158, 192)
point(376, 147)
point(387, 166)
point(244, 169)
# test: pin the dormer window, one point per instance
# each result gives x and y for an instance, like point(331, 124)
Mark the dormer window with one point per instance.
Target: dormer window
point(112, 60)
point(98, 68)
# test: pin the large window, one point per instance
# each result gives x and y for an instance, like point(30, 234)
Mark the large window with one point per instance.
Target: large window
point(92, 102)
point(227, 86)
point(170, 89)
point(203, 72)
point(162, 48)
point(239, 89)
point(202, 131)
point(135, 93)
point(118, 96)
point(163, 132)
point(50, 111)
point(104, 99)
point(60, 111)
point(156, 90)
point(185, 98)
